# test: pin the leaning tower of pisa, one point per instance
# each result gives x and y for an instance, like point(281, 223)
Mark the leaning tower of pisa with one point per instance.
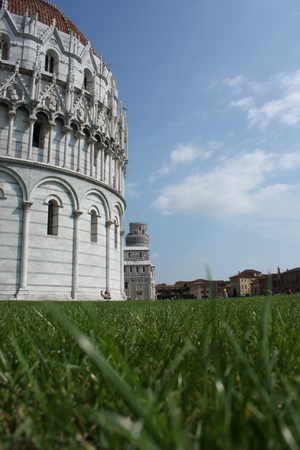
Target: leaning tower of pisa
point(139, 278)
point(63, 155)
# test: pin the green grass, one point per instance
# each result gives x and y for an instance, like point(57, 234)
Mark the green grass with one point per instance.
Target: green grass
point(190, 374)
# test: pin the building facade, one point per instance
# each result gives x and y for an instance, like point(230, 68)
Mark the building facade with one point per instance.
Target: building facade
point(63, 156)
point(198, 288)
point(241, 284)
point(139, 273)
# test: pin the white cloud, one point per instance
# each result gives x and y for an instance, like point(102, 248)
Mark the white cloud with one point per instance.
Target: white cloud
point(243, 103)
point(290, 160)
point(235, 188)
point(160, 173)
point(187, 153)
point(284, 109)
point(235, 82)
point(132, 190)
point(184, 154)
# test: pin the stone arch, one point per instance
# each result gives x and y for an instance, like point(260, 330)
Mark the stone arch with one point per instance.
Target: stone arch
point(96, 209)
point(118, 207)
point(18, 180)
point(101, 197)
point(55, 198)
point(2, 194)
point(62, 182)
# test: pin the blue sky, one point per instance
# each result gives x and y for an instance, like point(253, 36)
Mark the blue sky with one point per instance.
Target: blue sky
point(212, 89)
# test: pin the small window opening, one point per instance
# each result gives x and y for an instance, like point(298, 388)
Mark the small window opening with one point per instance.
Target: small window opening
point(49, 63)
point(87, 81)
point(36, 138)
point(96, 154)
point(52, 228)
point(116, 235)
point(94, 226)
point(4, 48)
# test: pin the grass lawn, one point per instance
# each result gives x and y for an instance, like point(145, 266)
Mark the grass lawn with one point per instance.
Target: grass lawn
point(183, 374)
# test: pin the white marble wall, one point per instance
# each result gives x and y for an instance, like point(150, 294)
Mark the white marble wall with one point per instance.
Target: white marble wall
point(62, 266)
point(79, 160)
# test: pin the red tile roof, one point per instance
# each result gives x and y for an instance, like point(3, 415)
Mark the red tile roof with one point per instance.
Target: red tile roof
point(46, 13)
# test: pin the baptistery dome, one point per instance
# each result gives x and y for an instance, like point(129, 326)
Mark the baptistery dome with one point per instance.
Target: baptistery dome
point(63, 156)
point(47, 12)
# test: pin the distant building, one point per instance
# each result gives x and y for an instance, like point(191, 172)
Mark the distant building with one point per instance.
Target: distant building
point(241, 284)
point(284, 281)
point(139, 273)
point(190, 289)
point(260, 285)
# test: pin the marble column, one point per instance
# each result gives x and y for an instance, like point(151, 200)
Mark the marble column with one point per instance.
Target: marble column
point(77, 215)
point(50, 141)
point(108, 225)
point(11, 115)
point(32, 120)
point(102, 162)
point(109, 167)
point(25, 241)
point(66, 130)
point(122, 233)
point(115, 178)
point(79, 135)
point(92, 155)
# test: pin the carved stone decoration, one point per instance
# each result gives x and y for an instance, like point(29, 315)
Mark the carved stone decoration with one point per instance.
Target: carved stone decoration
point(50, 98)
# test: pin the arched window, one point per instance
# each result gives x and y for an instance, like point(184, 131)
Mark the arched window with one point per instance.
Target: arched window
point(52, 226)
point(51, 61)
point(39, 131)
point(4, 47)
point(88, 80)
point(94, 226)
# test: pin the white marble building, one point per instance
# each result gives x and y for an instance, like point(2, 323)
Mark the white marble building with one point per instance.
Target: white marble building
point(63, 156)
point(139, 273)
